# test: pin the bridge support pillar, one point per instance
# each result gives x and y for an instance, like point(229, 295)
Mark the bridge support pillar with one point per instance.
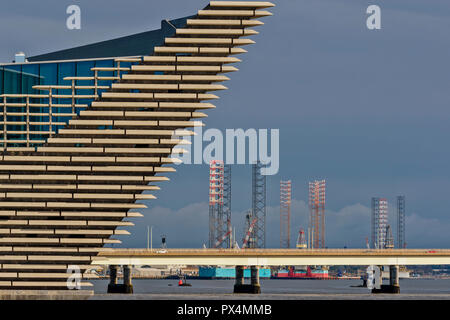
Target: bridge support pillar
point(394, 279)
point(128, 286)
point(114, 286)
point(394, 283)
point(255, 279)
point(240, 287)
point(239, 275)
point(113, 274)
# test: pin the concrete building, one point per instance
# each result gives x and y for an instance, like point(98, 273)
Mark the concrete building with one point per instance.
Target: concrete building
point(85, 136)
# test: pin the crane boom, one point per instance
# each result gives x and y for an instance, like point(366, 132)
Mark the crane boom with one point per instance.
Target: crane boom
point(225, 236)
point(250, 230)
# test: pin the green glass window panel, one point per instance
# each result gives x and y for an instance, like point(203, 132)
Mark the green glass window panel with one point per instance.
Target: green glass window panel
point(30, 78)
point(1, 80)
point(13, 85)
point(49, 73)
point(84, 70)
point(105, 64)
point(13, 79)
point(49, 76)
point(67, 69)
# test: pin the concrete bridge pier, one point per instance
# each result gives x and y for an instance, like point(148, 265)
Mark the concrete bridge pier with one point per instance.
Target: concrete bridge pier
point(239, 275)
point(255, 279)
point(394, 280)
point(394, 283)
point(240, 287)
point(114, 286)
point(112, 278)
point(128, 286)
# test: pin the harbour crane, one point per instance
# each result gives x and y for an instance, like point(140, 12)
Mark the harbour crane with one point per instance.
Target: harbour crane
point(225, 236)
point(249, 232)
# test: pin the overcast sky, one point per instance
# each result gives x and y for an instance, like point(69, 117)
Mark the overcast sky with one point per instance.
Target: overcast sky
point(368, 110)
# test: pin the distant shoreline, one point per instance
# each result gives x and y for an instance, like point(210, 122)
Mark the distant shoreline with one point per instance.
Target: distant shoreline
point(329, 278)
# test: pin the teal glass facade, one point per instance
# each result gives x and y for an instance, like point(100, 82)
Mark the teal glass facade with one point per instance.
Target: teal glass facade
point(20, 79)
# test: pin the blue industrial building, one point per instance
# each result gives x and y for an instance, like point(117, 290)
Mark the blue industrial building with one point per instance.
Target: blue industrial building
point(227, 273)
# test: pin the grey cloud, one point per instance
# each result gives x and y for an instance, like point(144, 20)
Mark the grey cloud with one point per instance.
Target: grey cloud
point(187, 227)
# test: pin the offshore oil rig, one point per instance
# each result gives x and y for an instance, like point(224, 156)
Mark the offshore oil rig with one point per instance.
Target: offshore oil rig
point(221, 234)
point(220, 229)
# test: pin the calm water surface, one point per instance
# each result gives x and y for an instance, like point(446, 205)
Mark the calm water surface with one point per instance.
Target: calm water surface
point(274, 286)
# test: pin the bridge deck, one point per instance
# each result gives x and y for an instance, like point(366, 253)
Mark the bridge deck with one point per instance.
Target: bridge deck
point(274, 257)
point(273, 252)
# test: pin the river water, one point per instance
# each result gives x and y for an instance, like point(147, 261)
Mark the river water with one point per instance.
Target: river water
point(277, 287)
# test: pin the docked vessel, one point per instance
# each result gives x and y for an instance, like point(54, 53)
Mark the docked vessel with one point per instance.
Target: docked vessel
point(309, 273)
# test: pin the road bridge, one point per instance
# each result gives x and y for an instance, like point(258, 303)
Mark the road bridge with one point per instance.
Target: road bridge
point(273, 257)
point(255, 258)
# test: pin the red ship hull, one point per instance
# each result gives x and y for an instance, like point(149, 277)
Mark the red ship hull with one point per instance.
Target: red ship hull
point(308, 274)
